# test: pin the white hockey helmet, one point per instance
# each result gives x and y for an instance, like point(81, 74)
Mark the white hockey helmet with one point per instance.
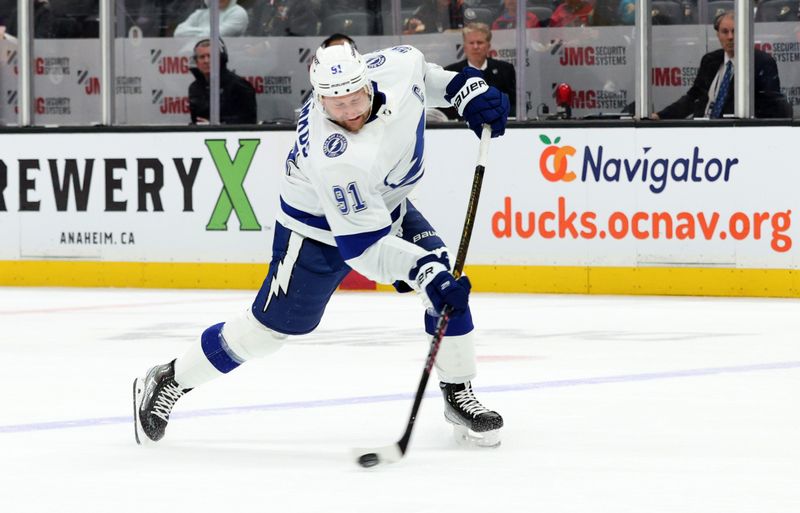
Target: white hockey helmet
point(338, 70)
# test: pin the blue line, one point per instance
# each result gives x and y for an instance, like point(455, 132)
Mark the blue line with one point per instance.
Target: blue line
point(322, 403)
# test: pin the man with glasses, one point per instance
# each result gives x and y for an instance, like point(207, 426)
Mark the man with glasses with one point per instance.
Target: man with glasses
point(711, 95)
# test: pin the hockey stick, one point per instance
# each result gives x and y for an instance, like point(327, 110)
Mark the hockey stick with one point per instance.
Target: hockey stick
point(393, 453)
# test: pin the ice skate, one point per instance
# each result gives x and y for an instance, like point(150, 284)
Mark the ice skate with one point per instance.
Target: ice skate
point(474, 424)
point(153, 398)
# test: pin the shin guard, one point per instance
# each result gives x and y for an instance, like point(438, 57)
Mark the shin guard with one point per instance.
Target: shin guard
point(455, 362)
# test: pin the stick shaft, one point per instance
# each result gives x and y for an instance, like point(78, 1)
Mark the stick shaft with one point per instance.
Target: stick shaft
point(458, 267)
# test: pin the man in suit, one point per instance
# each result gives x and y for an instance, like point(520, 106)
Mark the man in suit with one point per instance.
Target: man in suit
point(500, 74)
point(711, 95)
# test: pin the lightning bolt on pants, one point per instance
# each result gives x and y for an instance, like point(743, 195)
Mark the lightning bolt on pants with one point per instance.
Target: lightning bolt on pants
point(303, 274)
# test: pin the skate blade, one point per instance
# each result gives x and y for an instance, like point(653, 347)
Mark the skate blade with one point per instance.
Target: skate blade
point(465, 437)
point(138, 392)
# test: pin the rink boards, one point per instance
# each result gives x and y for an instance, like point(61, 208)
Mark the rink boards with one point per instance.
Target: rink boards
point(697, 210)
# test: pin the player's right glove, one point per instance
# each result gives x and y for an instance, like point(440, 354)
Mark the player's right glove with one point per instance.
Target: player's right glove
point(438, 286)
point(478, 102)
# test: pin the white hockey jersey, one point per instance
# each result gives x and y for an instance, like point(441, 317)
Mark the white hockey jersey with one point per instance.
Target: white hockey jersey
point(348, 189)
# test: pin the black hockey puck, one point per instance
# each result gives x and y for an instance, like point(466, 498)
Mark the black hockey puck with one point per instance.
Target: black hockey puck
point(368, 460)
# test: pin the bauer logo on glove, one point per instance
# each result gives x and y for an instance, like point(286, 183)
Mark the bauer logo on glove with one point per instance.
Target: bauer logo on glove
point(477, 102)
point(473, 86)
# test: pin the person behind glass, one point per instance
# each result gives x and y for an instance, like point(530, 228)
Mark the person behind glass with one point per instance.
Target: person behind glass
point(233, 21)
point(42, 20)
point(237, 97)
point(711, 94)
point(572, 13)
point(291, 18)
point(508, 18)
point(627, 12)
point(500, 74)
point(4, 35)
point(436, 16)
point(606, 13)
point(375, 10)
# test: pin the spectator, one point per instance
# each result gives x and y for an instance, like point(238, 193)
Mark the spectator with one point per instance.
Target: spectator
point(711, 95)
point(42, 20)
point(627, 12)
point(5, 36)
point(373, 8)
point(237, 105)
point(329, 7)
point(572, 13)
point(232, 21)
point(436, 16)
point(291, 18)
point(606, 13)
point(7, 9)
point(156, 18)
point(76, 19)
point(4, 33)
point(508, 18)
point(500, 74)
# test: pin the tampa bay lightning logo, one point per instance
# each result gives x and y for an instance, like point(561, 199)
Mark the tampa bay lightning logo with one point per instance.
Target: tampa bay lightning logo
point(401, 49)
point(418, 93)
point(374, 62)
point(334, 145)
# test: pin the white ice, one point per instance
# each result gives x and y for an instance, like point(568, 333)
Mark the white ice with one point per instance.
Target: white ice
point(611, 404)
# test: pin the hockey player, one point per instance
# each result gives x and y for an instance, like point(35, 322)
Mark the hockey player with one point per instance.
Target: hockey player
point(359, 152)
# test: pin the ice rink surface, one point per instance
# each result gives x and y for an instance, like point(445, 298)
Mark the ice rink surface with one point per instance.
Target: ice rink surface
point(611, 404)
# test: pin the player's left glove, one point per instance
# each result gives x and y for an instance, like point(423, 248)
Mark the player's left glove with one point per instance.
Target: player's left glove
point(477, 102)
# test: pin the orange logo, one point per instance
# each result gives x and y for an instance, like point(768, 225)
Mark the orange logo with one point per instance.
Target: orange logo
point(558, 171)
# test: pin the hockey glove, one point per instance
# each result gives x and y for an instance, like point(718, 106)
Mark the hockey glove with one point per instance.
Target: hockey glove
point(477, 102)
point(439, 288)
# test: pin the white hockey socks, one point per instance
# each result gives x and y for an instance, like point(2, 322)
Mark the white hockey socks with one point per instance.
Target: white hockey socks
point(455, 362)
point(223, 347)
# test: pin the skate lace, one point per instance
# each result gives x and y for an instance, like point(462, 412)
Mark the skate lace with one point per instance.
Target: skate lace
point(466, 400)
point(166, 400)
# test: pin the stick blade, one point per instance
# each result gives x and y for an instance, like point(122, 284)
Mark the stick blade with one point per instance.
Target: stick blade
point(368, 458)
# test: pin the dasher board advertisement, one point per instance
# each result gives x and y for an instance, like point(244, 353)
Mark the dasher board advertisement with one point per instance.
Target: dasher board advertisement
point(717, 197)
